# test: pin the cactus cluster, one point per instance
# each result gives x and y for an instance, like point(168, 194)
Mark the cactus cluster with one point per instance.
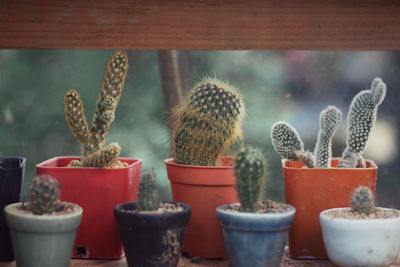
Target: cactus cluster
point(206, 123)
point(249, 172)
point(92, 137)
point(44, 195)
point(362, 201)
point(147, 193)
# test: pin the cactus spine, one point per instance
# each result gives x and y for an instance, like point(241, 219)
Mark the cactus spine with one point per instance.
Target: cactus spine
point(92, 138)
point(147, 194)
point(362, 201)
point(287, 143)
point(329, 120)
point(249, 172)
point(360, 120)
point(44, 195)
point(206, 123)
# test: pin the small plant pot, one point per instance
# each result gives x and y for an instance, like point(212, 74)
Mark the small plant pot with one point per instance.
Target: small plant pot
point(313, 190)
point(204, 189)
point(97, 191)
point(11, 180)
point(42, 240)
point(361, 242)
point(254, 239)
point(152, 239)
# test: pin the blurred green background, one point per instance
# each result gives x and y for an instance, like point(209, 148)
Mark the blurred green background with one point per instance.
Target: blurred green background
point(277, 85)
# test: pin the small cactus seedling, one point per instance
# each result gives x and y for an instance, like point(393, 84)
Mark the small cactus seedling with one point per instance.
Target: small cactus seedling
point(92, 138)
point(147, 194)
point(206, 123)
point(249, 172)
point(361, 119)
point(362, 201)
point(287, 143)
point(44, 195)
point(329, 120)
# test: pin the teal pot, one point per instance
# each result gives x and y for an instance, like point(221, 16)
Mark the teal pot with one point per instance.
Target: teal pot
point(11, 179)
point(253, 239)
point(42, 240)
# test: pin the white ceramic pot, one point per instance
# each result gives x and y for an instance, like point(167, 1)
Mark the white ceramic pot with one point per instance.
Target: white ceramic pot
point(368, 243)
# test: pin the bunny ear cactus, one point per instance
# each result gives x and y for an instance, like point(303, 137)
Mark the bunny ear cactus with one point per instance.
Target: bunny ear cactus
point(93, 137)
point(361, 119)
point(44, 195)
point(329, 122)
point(249, 172)
point(206, 123)
point(287, 143)
point(362, 201)
point(147, 194)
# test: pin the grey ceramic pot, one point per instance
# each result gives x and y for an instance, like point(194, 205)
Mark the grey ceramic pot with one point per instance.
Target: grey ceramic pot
point(254, 239)
point(42, 240)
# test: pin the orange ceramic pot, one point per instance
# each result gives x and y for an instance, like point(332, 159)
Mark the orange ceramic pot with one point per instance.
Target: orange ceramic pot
point(204, 189)
point(311, 191)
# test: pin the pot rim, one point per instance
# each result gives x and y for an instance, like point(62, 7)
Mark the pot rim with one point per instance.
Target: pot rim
point(45, 217)
point(288, 213)
point(171, 162)
point(371, 162)
point(118, 208)
point(23, 161)
point(323, 216)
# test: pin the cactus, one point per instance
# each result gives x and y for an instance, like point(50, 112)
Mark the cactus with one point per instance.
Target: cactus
point(362, 201)
point(206, 123)
point(92, 138)
point(249, 172)
point(147, 194)
point(44, 195)
point(287, 143)
point(329, 122)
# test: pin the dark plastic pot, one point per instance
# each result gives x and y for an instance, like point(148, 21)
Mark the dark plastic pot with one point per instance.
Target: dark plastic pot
point(255, 240)
point(152, 239)
point(97, 191)
point(11, 180)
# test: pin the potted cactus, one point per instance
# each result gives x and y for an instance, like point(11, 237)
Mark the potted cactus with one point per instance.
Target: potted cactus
point(99, 179)
point(43, 230)
point(204, 126)
point(362, 235)
point(152, 232)
point(11, 179)
point(255, 232)
point(314, 181)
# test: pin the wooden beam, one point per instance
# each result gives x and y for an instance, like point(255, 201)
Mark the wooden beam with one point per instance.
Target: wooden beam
point(200, 24)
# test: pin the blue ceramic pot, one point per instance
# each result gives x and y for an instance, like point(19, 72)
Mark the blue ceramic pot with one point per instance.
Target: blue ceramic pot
point(254, 239)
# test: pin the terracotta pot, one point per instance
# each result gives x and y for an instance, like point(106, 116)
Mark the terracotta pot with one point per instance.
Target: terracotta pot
point(311, 191)
point(204, 189)
point(97, 191)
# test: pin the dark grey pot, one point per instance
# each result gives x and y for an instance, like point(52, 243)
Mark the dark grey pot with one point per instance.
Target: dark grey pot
point(254, 239)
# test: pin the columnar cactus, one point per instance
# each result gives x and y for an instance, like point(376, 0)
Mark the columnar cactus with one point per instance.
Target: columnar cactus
point(361, 119)
point(147, 194)
point(362, 201)
point(93, 138)
point(287, 143)
point(44, 195)
point(206, 123)
point(329, 120)
point(249, 172)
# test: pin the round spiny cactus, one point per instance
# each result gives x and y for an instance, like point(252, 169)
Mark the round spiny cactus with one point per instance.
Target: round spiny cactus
point(249, 172)
point(44, 195)
point(147, 193)
point(362, 201)
point(206, 123)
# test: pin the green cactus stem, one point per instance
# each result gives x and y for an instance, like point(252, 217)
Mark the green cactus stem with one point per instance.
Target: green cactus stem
point(147, 193)
point(329, 122)
point(362, 201)
point(44, 195)
point(361, 119)
point(206, 123)
point(249, 172)
point(287, 143)
point(104, 157)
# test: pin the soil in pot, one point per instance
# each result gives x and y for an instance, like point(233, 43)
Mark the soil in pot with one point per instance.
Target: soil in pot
point(152, 238)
